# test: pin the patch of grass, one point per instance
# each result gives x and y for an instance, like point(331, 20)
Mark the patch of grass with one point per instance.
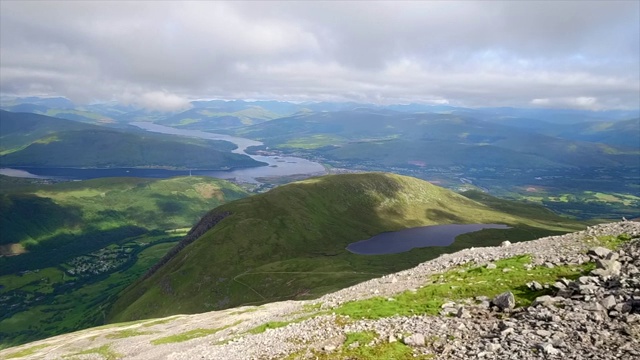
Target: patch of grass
point(189, 335)
point(269, 325)
point(244, 311)
point(614, 242)
point(123, 334)
point(384, 350)
point(313, 142)
point(312, 307)
point(361, 337)
point(25, 352)
point(464, 283)
point(104, 351)
point(158, 322)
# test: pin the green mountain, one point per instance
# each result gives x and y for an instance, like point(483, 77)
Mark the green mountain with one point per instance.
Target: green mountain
point(35, 140)
point(624, 133)
point(397, 139)
point(289, 243)
point(18, 130)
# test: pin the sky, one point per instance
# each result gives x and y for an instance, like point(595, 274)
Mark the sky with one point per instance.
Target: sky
point(160, 55)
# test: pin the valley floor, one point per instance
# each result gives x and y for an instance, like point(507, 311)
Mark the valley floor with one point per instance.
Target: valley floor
point(408, 314)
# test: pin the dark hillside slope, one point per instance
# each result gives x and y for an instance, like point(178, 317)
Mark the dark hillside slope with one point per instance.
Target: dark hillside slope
point(289, 243)
point(18, 130)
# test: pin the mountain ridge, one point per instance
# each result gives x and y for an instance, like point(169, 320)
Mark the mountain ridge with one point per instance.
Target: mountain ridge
point(304, 227)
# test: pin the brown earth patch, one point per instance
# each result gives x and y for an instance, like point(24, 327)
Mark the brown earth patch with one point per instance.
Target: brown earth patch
point(209, 191)
point(12, 249)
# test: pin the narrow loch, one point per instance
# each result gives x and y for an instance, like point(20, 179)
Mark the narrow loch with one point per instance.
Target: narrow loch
point(404, 240)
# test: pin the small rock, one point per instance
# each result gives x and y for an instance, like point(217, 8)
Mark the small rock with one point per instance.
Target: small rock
point(491, 347)
point(463, 313)
point(329, 348)
point(491, 266)
point(632, 319)
point(623, 308)
point(609, 302)
point(505, 243)
point(535, 286)
point(507, 332)
point(548, 349)
point(595, 307)
point(392, 339)
point(506, 300)
point(606, 268)
point(414, 340)
point(543, 300)
point(558, 285)
point(612, 256)
point(599, 252)
point(543, 333)
point(564, 293)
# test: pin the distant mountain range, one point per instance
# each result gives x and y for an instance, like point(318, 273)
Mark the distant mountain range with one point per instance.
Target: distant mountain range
point(395, 138)
point(261, 110)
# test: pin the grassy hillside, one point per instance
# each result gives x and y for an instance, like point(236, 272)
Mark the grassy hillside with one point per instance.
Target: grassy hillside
point(57, 222)
point(290, 243)
point(36, 214)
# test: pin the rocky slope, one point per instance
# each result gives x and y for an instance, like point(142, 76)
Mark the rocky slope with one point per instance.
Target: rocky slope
point(596, 315)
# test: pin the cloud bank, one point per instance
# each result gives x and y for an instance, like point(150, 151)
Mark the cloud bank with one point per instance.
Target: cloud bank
point(161, 54)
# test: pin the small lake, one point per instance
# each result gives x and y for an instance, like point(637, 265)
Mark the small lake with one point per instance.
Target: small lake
point(404, 240)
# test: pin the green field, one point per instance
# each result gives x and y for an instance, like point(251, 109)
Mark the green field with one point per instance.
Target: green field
point(289, 243)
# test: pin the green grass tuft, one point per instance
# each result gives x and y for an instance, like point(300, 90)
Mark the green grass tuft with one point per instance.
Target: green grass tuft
point(189, 335)
point(28, 351)
point(123, 334)
point(361, 337)
point(104, 351)
point(269, 325)
point(614, 242)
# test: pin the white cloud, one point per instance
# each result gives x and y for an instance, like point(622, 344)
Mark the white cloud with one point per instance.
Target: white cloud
point(157, 100)
point(469, 53)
